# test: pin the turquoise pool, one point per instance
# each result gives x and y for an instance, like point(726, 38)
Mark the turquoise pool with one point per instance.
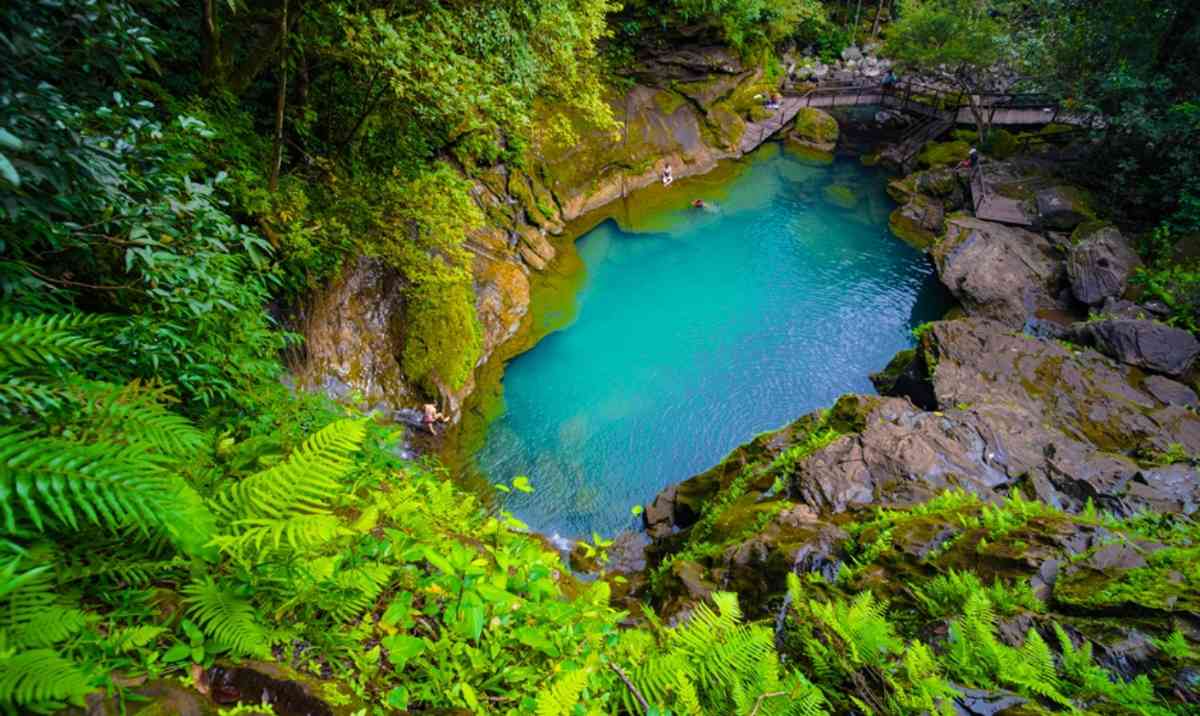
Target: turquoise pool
point(696, 329)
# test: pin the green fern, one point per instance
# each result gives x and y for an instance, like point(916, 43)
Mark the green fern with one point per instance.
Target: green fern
point(20, 393)
point(714, 663)
point(48, 339)
point(41, 681)
point(1090, 682)
point(60, 484)
point(561, 698)
point(136, 413)
point(228, 619)
point(976, 656)
point(867, 637)
point(50, 626)
point(304, 484)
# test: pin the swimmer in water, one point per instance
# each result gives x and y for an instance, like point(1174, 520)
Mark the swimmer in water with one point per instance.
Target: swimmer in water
point(698, 204)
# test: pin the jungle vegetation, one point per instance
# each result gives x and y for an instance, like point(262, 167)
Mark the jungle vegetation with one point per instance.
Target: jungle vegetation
point(174, 176)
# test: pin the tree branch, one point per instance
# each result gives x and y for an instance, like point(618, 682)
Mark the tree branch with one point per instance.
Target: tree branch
point(764, 697)
point(634, 690)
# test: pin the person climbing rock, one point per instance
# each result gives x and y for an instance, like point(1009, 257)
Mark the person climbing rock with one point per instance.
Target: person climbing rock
point(432, 416)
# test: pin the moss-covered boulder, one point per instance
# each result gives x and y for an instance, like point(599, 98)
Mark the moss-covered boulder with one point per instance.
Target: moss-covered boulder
point(943, 154)
point(814, 134)
point(1062, 208)
point(919, 222)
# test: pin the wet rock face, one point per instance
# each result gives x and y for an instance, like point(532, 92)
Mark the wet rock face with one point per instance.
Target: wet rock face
point(1099, 267)
point(1147, 344)
point(354, 333)
point(1000, 272)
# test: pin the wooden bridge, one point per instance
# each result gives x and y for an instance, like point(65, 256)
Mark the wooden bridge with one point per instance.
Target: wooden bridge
point(937, 111)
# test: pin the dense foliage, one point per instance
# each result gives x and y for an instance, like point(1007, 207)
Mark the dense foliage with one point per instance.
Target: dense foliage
point(171, 174)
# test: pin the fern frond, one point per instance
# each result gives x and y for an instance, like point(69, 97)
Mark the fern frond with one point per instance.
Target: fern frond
point(19, 394)
point(303, 484)
point(61, 483)
point(48, 339)
point(302, 533)
point(42, 681)
point(24, 596)
point(135, 413)
point(50, 626)
point(355, 590)
point(802, 698)
point(561, 698)
point(230, 620)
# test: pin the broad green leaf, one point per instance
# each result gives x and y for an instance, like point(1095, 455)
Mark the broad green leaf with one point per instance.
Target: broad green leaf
point(402, 647)
point(9, 172)
point(521, 483)
point(8, 140)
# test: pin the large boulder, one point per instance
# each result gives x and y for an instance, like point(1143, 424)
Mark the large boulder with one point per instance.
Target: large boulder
point(1000, 272)
point(1063, 208)
point(1099, 266)
point(1143, 343)
point(919, 222)
point(814, 132)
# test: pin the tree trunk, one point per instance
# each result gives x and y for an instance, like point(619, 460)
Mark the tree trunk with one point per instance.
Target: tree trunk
point(280, 99)
point(878, 14)
point(983, 122)
point(212, 71)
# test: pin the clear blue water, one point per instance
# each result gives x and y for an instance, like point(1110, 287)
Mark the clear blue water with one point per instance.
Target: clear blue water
point(693, 336)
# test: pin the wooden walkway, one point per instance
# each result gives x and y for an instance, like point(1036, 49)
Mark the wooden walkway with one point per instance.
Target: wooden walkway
point(937, 111)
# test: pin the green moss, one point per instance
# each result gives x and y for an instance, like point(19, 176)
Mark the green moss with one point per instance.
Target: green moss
point(1086, 229)
point(668, 102)
point(943, 154)
point(1170, 583)
point(1000, 144)
point(815, 125)
point(910, 231)
point(841, 195)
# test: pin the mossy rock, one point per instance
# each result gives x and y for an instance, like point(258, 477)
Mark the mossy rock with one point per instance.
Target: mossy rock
point(1000, 144)
point(970, 136)
point(1064, 207)
point(901, 190)
point(669, 102)
point(1162, 581)
point(943, 154)
point(869, 160)
point(1086, 229)
point(941, 184)
point(907, 224)
point(841, 195)
point(814, 125)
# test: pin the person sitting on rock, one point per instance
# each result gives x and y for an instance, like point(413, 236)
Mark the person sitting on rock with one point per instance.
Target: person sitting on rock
point(432, 415)
point(666, 176)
